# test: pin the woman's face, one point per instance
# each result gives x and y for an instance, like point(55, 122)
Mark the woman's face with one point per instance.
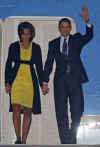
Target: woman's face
point(26, 35)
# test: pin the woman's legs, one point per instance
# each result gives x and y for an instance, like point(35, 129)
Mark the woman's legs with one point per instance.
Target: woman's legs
point(17, 120)
point(27, 117)
point(26, 123)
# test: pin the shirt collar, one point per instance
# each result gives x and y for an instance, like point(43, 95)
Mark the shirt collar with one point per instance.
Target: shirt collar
point(67, 38)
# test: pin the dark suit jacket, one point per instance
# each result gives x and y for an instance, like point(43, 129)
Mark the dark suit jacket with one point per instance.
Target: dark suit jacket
point(76, 43)
point(11, 71)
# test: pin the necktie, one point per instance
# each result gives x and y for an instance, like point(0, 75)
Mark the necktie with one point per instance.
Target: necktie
point(64, 49)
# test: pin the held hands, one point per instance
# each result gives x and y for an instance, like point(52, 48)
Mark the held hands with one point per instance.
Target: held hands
point(45, 88)
point(84, 14)
point(7, 88)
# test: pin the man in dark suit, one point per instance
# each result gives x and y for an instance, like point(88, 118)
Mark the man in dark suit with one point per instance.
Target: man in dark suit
point(69, 76)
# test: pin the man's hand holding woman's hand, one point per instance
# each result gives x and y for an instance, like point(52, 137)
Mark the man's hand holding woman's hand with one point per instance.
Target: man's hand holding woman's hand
point(45, 88)
point(7, 88)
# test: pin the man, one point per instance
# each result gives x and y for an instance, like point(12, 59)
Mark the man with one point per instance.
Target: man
point(69, 76)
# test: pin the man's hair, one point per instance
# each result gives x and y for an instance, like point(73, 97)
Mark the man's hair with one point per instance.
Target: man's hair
point(26, 25)
point(64, 20)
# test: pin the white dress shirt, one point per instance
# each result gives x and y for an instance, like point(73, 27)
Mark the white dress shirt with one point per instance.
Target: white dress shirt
point(62, 41)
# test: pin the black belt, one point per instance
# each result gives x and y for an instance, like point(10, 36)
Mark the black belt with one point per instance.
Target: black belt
point(25, 62)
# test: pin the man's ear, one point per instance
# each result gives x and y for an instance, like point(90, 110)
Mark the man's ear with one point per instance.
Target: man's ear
point(70, 28)
point(59, 29)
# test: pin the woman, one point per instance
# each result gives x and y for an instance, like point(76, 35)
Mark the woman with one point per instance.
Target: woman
point(21, 81)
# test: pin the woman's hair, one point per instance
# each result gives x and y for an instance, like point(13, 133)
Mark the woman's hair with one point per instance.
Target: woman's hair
point(26, 25)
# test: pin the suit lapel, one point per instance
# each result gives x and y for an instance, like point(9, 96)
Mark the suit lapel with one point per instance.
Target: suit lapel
point(58, 45)
point(70, 45)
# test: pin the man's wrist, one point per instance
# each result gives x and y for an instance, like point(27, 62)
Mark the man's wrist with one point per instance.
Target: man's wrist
point(87, 21)
point(45, 83)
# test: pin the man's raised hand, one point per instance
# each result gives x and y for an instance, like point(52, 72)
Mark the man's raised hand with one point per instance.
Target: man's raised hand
point(84, 14)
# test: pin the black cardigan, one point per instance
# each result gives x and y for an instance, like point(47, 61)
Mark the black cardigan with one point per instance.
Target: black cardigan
point(11, 71)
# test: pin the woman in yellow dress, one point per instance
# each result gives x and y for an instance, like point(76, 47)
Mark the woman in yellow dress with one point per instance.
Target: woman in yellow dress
point(21, 81)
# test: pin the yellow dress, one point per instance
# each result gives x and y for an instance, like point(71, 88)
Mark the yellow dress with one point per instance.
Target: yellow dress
point(22, 91)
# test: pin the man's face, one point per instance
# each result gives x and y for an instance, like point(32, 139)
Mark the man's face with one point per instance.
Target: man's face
point(64, 29)
point(26, 35)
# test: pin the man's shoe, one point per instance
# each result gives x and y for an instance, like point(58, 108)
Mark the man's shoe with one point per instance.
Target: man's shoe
point(72, 137)
point(73, 140)
point(18, 142)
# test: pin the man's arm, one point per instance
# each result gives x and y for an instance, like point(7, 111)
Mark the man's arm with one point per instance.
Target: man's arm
point(89, 27)
point(88, 35)
point(48, 68)
point(49, 63)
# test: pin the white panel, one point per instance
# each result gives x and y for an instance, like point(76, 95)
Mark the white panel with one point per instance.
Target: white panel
point(6, 121)
point(1, 27)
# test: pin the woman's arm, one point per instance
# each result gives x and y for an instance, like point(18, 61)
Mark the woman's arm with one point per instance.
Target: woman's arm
point(8, 68)
point(39, 65)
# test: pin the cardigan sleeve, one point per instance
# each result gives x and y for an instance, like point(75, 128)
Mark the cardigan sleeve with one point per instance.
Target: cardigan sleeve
point(39, 65)
point(8, 66)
